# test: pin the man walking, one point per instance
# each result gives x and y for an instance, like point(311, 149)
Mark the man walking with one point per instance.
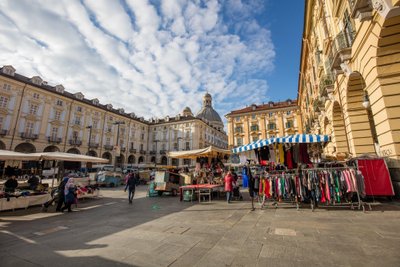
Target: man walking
point(131, 186)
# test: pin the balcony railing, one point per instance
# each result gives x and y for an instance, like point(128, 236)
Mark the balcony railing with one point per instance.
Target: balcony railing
point(152, 152)
point(93, 145)
point(132, 150)
point(123, 149)
point(163, 152)
point(3, 132)
point(53, 139)
point(142, 152)
point(30, 136)
point(325, 85)
point(361, 9)
point(341, 49)
point(108, 147)
point(75, 142)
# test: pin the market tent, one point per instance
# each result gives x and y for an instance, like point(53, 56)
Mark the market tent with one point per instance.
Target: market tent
point(11, 155)
point(68, 157)
point(254, 145)
point(292, 139)
point(203, 152)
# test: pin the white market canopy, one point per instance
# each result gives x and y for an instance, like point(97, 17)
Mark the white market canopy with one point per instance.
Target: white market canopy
point(290, 139)
point(69, 157)
point(210, 151)
point(11, 155)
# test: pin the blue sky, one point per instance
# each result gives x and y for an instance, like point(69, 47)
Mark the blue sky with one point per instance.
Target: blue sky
point(155, 57)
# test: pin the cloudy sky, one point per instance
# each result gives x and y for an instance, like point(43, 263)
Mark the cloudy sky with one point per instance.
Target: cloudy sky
point(150, 57)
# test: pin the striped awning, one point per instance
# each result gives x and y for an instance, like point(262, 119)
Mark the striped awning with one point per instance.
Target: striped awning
point(251, 146)
point(291, 139)
point(305, 138)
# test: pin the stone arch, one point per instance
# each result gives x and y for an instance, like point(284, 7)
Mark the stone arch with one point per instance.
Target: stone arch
point(2, 145)
point(73, 150)
point(175, 162)
point(164, 160)
point(141, 159)
point(120, 160)
point(25, 148)
point(339, 136)
point(356, 117)
point(131, 159)
point(51, 149)
point(153, 159)
point(107, 155)
point(92, 153)
point(385, 95)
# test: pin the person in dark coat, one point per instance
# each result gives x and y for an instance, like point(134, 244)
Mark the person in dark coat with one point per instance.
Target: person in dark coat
point(70, 194)
point(61, 196)
point(33, 182)
point(131, 186)
point(11, 184)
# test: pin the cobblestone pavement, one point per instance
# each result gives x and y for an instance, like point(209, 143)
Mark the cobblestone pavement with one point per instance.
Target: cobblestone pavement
point(165, 232)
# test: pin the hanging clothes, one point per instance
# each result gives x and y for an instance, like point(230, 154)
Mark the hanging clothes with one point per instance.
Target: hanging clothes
point(272, 154)
point(281, 154)
point(245, 177)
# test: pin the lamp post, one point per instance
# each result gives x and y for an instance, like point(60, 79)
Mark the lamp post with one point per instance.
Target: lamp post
point(366, 104)
point(117, 123)
point(155, 159)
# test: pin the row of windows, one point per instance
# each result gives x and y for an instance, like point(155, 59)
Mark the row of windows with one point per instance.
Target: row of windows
point(271, 114)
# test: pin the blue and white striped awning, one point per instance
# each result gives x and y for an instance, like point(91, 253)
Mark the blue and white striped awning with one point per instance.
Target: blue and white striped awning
point(305, 138)
point(251, 146)
point(292, 139)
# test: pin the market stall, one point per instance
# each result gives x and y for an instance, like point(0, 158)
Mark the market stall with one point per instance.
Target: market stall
point(290, 168)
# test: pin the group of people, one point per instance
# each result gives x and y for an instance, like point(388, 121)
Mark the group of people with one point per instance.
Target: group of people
point(12, 183)
point(66, 194)
point(230, 180)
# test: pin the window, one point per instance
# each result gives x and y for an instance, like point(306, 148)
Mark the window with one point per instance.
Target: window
point(254, 127)
point(108, 141)
point(255, 138)
point(239, 141)
point(253, 116)
point(141, 147)
point(187, 146)
point(110, 118)
point(33, 110)
point(36, 95)
point(142, 136)
point(29, 128)
point(271, 114)
point(7, 87)
point(54, 133)
point(237, 118)
point(59, 103)
point(93, 139)
point(77, 120)
point(289, 124)
point(95, 124)
point(57, 115)
point(239, 129)
point(175, 146)
point(79, 109)
point(288, 112)
point(271, 126)
point(4, 102)
point(1, 123)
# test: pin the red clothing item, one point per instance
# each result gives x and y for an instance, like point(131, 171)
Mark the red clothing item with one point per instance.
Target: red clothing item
point(229, 182)
point(289, 161)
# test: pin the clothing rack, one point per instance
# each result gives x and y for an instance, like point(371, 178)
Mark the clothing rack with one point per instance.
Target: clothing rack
point(360, 203)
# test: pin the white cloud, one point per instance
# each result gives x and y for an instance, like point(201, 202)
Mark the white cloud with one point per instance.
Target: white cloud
point(151, 60)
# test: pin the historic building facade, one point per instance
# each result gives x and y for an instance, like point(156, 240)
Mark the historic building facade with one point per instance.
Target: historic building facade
point(255, 122)
point(36, 117)
point(349, 82)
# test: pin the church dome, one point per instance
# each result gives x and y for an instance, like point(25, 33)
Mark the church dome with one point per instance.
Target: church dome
point(207, 112)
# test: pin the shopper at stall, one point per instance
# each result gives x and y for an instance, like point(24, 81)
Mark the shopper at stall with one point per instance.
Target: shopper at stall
point(229, 185)
point(131, 186)
point(11, 184)
point(33, 182)
point(60, 193)
point(70, 195)
point(252, 191)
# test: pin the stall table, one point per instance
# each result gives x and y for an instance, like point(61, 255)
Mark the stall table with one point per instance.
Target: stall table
point(23, 202)
point(200, 189)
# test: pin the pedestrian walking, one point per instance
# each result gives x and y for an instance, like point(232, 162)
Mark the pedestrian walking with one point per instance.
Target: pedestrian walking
point(252, 190)
point(229, 185)
point(70, 195)
point(131, 186)
point(60, 193)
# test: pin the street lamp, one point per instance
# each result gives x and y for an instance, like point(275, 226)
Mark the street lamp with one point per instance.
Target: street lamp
point(90, 137)
point(117, 123)
point(155, 160)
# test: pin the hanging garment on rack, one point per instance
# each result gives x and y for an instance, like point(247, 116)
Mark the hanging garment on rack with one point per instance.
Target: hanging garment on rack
point(289, 162)
point(245, 177)
point(281, 154)
point(272, 154)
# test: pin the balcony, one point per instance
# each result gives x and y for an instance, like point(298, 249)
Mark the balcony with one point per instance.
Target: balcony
point(132, 150)
point(3, 133)
point(325, 85)
point(93, 145)
point(361, 9)
point(75, 142)
point(152, 152)
point(29, 136)
point(123, 149)
point(54, 140)
point(142, 152)
point(108, 147)
point(163, 152)
point(341, 49)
